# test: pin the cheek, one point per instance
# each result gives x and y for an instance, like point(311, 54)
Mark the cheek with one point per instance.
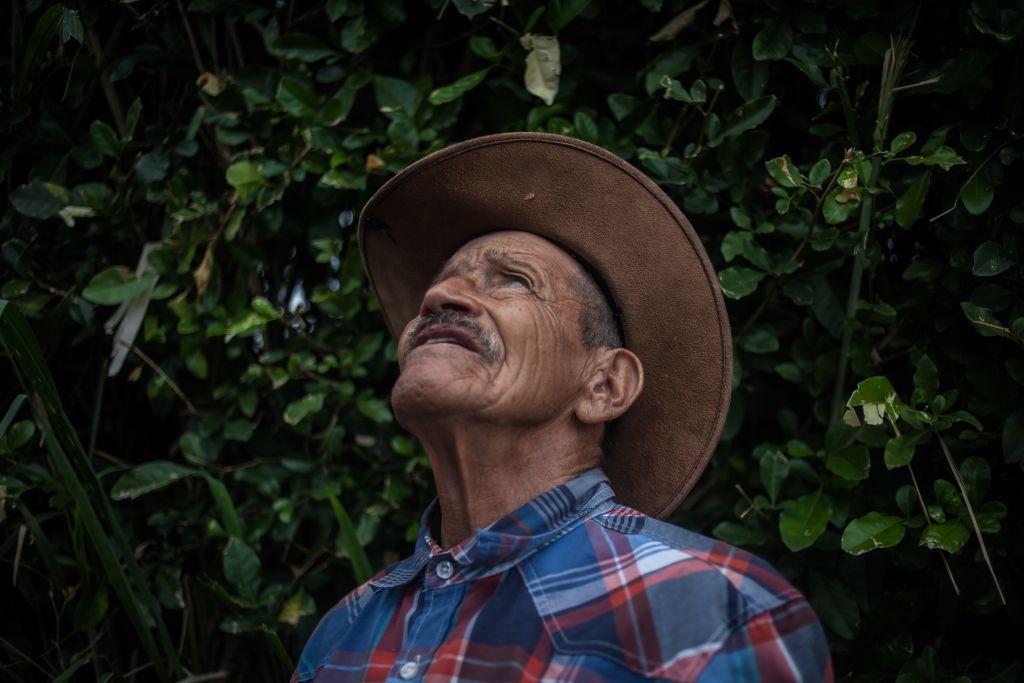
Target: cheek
point(541, 366)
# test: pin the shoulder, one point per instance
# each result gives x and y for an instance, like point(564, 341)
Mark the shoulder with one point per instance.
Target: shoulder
point(333, 627)
point(660, 599)
point(755, 582)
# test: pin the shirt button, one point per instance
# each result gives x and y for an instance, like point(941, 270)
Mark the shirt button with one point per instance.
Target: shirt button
point(444, 569)
point(408, 670)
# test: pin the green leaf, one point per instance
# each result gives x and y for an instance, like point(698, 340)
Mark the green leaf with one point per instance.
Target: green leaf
point(297, 410)
point(238, 430)
point(585, 127)
point(265, 308)
point(297, 97)
point(393, 94)
point(228, 514)
point(105, 139)
point(899, 450)
point(20, 433)
point(977, 477)
point(746, 117)
point(343, 179)
point(91, 608)
point(561, 12)
point(131, 119)
point(977, 194)
point(774, 469)
point(153, 166)
point(803, 520)
point(1013, 438)
point(835, 604)
point(943, 157)
point(39, 200)
point(877, 398)
point(773, 41)
point(985, 322)
point(738, 534)
point(70, 25)
point(820, 172)
point(149, 477)
point(374, 408)
point(990, 259)
point(909, 205)
point(834, 211)
point(245, 177)
point(851, 463)
point(949, 497)
point(948, 536)
point(116, 284)
point(873, 530)
point(471, 8)
point(784, 171)
point(901, 142)
point(241, 567)
point(748, 75)
point(759, 340)
point(739, 281)
point(274, 641)
point(336, 9)
point(483, 46)
point(350, 541)
point(301, 46)
point(926, 375)
point(450, 93)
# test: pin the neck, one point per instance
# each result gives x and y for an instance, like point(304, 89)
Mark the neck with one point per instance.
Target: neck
point(483, 472)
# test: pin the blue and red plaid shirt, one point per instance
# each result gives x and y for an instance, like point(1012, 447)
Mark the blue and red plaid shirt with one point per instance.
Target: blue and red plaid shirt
point(571, 586)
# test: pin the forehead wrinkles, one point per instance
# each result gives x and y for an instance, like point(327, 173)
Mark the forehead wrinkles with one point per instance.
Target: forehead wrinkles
point(459, 264)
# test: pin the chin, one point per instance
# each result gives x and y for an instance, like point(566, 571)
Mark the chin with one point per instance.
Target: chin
point(420, 393)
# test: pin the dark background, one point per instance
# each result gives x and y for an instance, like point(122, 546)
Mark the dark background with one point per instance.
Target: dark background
point(853, 170)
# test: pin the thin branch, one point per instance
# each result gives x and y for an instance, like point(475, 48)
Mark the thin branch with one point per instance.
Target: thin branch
point(821, 203)
point(113, 101)
point(157, 369)
point(929, 81)
point(970, 512)
point(191, 38)
point(924, 510)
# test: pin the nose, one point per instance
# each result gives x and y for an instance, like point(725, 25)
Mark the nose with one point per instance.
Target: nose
point(451, 294)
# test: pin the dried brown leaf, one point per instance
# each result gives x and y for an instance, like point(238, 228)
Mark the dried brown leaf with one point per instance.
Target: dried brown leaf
point(678, 23)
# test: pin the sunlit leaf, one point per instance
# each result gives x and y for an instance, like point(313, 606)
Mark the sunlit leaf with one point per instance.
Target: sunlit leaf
point(873, 530)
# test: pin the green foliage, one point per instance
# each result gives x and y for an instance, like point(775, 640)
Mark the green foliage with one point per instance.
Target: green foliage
point(187, 182)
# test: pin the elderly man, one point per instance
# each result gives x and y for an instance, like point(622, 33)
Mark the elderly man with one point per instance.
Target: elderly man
point(566, 363)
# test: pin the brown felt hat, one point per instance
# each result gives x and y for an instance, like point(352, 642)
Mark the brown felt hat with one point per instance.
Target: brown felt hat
point(628, 232)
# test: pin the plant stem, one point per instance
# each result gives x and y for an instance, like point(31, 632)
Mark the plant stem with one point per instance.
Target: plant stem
point(924, 510)
point(974, 520)
point(892, 68)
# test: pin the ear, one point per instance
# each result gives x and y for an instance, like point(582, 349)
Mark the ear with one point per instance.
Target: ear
point(615, 383)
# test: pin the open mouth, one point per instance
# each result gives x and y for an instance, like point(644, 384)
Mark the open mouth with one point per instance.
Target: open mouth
point(445, 334)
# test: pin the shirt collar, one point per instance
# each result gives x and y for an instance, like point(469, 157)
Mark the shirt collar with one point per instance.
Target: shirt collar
point(509, 539)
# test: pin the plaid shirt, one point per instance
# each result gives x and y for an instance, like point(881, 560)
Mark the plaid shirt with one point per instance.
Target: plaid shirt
point(571, 586)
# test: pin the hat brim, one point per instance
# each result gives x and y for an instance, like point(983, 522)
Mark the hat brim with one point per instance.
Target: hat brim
point(629, 231)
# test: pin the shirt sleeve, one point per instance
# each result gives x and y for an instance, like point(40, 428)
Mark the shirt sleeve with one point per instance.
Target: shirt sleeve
point(785, 644)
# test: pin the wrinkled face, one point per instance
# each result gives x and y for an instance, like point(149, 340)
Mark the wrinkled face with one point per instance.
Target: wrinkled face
point(497, 335)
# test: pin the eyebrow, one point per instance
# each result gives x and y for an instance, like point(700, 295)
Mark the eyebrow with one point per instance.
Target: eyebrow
point(492, 254)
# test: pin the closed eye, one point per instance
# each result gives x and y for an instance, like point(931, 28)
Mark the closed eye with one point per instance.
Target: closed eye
point(517, 279)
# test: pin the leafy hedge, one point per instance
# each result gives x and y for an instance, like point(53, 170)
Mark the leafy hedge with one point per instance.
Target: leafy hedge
point(850, 167)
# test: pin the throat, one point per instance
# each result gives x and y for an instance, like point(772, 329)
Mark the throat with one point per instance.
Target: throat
point(482, 476)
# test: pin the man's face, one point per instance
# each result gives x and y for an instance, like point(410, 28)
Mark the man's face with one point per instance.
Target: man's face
point(497, 336)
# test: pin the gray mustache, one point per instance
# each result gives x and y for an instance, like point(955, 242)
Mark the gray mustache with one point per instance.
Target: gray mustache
point(487, 344)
